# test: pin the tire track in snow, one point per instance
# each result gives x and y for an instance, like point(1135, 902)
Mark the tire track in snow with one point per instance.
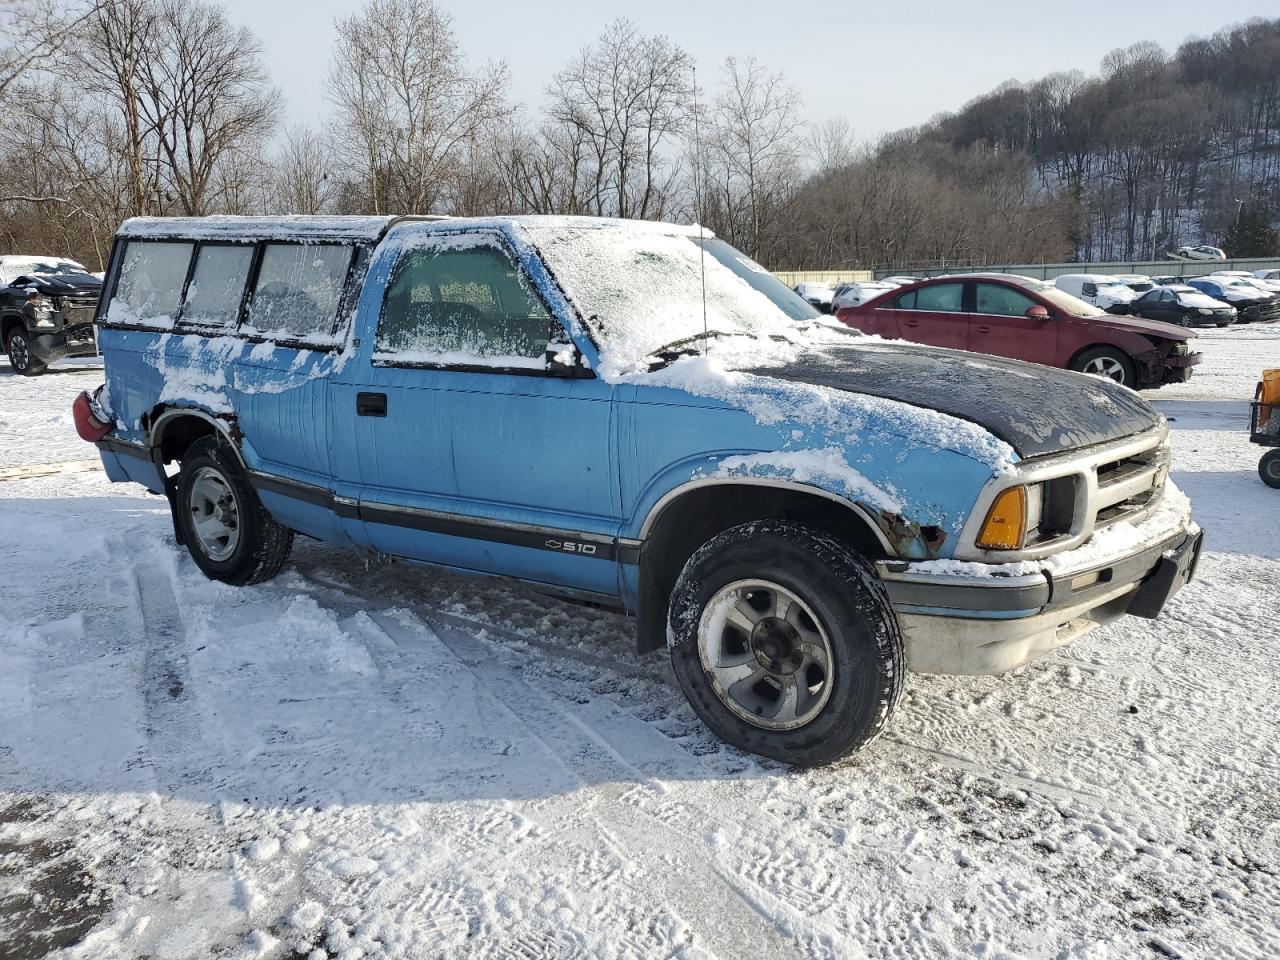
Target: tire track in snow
point(731, 921)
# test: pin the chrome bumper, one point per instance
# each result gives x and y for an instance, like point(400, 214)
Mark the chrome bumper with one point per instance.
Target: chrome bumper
point(966, 624)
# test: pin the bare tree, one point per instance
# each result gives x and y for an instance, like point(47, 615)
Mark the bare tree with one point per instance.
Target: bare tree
point(754, 150)
point(407, 105)
point(302, 173)
point(35, 32)
point(191, 91)
point(831, 145)
point(624, 102)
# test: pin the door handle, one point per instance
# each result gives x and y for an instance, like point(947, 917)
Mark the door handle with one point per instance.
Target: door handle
point(371, 404)
point(911, 323)
point(984, 329)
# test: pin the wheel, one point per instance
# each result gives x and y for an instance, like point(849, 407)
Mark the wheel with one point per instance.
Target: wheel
point(785, 643)
point(1106, 362)
point(228, 532)
point(20, 356)
point(1269, 468)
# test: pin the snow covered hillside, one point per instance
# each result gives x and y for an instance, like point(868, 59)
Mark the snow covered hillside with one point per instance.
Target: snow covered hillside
point(398, 762)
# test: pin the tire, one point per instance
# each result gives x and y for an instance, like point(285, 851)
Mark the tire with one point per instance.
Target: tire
point(1107, 362)
point(18, 347)
point(844, 684)
point(1269, 468)
point(234, 539)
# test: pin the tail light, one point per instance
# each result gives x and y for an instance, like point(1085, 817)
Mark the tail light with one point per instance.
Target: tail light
point(88, 425)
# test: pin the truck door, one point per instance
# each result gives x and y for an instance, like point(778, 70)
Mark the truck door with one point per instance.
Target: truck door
point(467, 450)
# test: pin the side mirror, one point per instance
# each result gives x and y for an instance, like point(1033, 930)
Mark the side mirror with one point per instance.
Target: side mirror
point(564, 359)
point(1037, 312)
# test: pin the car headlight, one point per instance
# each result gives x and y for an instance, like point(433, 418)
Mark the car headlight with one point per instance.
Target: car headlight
point(43, 311)
point(1204, 312)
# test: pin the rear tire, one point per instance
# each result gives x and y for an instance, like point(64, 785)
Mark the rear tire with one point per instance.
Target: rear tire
point(785, 643)
point(18, 347)
point(1107, 362)
point(228, 532)
point(1269, 468)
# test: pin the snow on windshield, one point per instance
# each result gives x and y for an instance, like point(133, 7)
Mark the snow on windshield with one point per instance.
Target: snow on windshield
point(640, 287)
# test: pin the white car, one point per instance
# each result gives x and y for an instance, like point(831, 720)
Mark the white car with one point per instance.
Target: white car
point(14, 266)
point(819, 295)
point(1139, 283)
point(1105, 292)
point(852, 294)
point(1267, 274)
point(1198, 253)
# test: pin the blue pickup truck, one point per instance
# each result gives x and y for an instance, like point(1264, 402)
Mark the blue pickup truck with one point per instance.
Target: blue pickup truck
point(635, 415)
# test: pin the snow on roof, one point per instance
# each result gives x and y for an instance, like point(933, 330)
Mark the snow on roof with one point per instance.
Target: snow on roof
point(291, 227)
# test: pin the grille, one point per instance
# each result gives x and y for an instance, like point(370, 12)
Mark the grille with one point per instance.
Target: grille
point(79, 309)
point(1129, 486)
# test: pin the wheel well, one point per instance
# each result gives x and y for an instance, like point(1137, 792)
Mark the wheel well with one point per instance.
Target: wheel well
point(1097, 346)
point(178, 433)
point(695, 517)
point(7, 323)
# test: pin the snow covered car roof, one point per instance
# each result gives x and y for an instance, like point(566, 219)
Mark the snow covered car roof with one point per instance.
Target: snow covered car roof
point(259, 228)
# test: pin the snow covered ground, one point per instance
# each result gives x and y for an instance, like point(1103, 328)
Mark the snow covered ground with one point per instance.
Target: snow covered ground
point(397, 762)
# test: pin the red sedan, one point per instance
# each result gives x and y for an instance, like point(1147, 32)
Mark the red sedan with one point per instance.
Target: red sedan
point(1026, 319)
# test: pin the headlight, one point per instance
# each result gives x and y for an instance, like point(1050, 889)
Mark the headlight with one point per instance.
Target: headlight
point(1204, 312)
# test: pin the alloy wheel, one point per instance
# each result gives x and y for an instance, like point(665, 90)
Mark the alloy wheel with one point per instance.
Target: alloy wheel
point(1108, 367)
point(19, 355)
point(767, 655)
point(215, 514)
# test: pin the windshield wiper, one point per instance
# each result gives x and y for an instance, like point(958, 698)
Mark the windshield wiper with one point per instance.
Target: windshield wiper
point(682, 347)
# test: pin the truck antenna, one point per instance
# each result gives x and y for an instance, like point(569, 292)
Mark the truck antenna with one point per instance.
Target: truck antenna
point(697, 199)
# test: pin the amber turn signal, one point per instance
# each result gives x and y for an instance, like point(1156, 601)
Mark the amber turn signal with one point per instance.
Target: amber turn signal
point(1006, 521)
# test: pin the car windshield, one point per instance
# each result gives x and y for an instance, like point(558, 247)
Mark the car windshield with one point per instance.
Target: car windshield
point(640, 286)
point(1072, 306)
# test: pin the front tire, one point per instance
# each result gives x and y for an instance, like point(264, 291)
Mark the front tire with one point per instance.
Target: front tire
point(785, 643)
point(228, 532)
point(1107, 362)
point(1269, 468)
point(18, 347)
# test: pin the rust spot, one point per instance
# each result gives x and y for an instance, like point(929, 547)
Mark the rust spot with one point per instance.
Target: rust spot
point(911, 540)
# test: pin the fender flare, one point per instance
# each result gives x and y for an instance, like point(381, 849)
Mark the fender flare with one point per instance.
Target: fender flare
point(673, 494)
point(223, 424)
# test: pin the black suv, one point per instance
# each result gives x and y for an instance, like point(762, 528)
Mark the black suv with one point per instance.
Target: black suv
point(48, 313)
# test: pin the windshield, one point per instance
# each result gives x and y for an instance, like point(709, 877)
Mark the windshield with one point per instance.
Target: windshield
point(640, 287)
point(1073, 306)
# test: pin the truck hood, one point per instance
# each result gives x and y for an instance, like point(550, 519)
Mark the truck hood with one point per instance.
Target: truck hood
point(1036, 410)
point(64, 285)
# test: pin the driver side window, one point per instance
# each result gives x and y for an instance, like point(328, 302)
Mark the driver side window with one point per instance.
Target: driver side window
point(464, 304)
point(1002, 301)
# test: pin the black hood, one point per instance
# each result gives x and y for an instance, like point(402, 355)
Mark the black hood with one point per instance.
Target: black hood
point(1036, 410)
point(64, 285)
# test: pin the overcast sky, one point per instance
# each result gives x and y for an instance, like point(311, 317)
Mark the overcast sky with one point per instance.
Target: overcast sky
point(883, 65)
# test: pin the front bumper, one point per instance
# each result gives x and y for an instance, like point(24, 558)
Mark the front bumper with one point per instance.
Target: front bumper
point(71, 341)
point(975, 624)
